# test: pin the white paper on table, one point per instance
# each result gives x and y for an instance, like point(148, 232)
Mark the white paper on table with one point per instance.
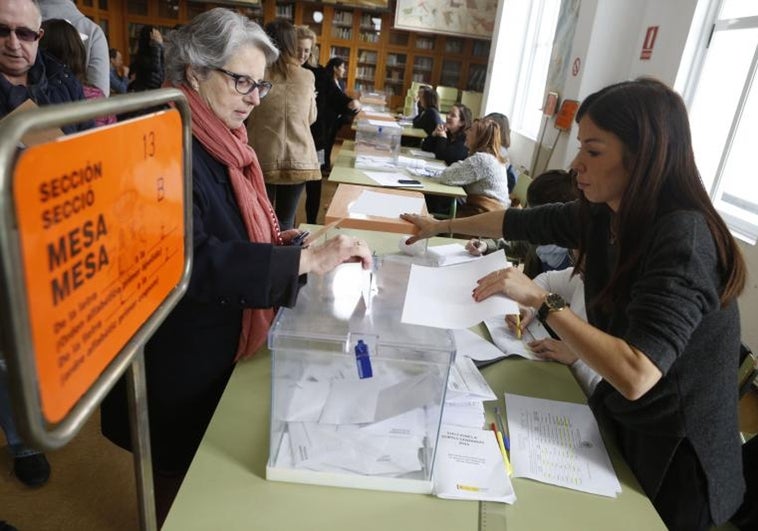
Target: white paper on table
point(469, 413)
point(472, 345)
point(385, 205)
point(469, 466)
point(507, 341)
point(410, 162)
point(384, 178)
point(453, 253)
point(420, 153)
point(441, 296)
point(466, 380)
point(559, 443)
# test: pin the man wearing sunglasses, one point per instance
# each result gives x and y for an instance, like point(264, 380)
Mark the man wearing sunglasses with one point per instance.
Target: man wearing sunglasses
point(25, 72)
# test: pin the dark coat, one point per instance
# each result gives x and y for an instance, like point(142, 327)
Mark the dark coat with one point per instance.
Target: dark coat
point(191, 356)
point(49, 82)
point(331, 105)
point(448, 149)
point(148, 68)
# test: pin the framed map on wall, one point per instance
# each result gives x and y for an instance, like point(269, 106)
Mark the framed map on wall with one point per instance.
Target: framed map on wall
point(471, 18)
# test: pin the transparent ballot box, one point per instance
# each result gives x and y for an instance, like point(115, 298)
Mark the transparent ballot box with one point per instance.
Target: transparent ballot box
point(377, 143)
point(356, 395)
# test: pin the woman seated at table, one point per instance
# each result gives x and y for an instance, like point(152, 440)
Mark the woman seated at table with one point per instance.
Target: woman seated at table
point(505, 142)
point(482, 174)
point(448, 141)
point(242, 267)
point(429, 116)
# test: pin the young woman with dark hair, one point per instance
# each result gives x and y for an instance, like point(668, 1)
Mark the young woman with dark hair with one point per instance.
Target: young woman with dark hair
point(448, 141)
point(429, 113)
point(662, 274)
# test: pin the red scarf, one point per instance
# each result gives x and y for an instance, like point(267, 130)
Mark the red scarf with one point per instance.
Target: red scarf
point(229, 146)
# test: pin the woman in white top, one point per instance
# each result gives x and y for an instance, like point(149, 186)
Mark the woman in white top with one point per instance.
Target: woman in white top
point(483, 173)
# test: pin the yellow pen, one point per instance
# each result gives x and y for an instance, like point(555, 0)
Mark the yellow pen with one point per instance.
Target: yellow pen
point(499, 437)
point(518, 325)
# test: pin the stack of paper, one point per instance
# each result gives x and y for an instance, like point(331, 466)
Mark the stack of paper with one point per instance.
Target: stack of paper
point(466, 391)
point(559, 443)
point(469, 466)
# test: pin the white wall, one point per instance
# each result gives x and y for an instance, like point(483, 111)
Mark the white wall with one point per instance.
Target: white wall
point(608, 41)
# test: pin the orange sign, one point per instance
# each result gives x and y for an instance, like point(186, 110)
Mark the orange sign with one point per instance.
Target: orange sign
point(566, 114)
point(101, 225)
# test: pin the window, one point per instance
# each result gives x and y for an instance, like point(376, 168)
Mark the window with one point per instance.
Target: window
point(542, 18)
point(724, 114)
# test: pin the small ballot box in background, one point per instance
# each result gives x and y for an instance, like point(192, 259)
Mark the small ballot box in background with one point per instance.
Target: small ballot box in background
point(377, 143)
point(356, 395)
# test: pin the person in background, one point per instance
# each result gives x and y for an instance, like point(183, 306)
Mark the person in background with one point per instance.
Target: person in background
point(429, 113)
point(481, 174)
point(418, 109)
point(335, 107)
point(279, 129)
point(552, 186)
point(119, 73)
point(62, 41)
point(95, 44)
point(306, 41)
point(243, 268)
point(662, 274)
point(147, 63)
point(448, 142)
point(505, 137)
point(27, 73)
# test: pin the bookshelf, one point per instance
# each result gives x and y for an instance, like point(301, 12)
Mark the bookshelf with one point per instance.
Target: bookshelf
point(379, 56)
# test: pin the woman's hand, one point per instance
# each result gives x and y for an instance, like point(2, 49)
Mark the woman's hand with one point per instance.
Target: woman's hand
point(513, 284)
point(289, 235)
point(552, 349)
point(526, 316)
point(155, 36)
point(476, 247)
point(440, 130)
point(427, 227)
point(338, 250)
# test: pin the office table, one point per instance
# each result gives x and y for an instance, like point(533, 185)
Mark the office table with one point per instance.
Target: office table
point(226, 488)
point(344, 171)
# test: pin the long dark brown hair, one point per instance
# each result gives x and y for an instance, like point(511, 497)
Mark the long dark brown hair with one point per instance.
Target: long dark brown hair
point(62, 40)
point(284, 36)
point(651, 121)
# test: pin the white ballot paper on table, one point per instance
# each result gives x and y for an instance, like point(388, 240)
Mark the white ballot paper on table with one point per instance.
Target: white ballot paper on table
point(385, 178)
point(473, 346)
point(469, 466)
point(441, 296)
point(385, 205)
point(507, 341)
point(559, 443)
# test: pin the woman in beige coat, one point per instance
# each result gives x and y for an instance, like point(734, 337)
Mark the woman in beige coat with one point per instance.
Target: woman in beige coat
point(279, 128)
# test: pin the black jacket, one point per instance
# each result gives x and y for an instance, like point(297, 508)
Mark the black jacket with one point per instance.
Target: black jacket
point(148, 68)
point(448, 149)
point(49, 82)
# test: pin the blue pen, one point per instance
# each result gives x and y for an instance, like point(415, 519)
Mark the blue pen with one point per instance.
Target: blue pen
point(362, 360)
point(300, 238)
point(501, 425)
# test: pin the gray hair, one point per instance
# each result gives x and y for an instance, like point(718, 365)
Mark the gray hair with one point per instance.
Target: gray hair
point(209, 40)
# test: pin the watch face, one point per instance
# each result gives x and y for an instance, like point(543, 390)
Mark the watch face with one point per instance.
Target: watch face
point(555, 302)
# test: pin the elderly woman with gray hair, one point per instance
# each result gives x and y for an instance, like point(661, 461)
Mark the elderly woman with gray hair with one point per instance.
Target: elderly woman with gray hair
point(243, 266)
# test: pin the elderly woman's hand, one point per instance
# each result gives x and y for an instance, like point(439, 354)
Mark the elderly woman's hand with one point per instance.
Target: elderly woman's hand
point(513, 284)
point(340, 249)
point(427, 227)
point(553, 349)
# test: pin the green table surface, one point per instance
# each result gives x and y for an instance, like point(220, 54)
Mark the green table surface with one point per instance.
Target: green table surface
point(226, 489)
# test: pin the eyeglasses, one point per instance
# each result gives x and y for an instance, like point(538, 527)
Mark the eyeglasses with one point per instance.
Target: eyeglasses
point(23, 34)
point(245, 84)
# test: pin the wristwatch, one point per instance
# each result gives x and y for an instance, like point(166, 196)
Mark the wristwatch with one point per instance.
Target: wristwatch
point(552, 303)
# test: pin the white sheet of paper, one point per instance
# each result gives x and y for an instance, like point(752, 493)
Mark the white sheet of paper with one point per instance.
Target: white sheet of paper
point(408, 394)
point(559, 443)
point(469, 466)
point(410, 162)
point(390, 122)
point(385, 205)
point(385, 178)
point(453, 253)
point(507, 341)
point(468, 413)
point(473, 346)
point(441, 296)
point(466, 380)
point(300, 401)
